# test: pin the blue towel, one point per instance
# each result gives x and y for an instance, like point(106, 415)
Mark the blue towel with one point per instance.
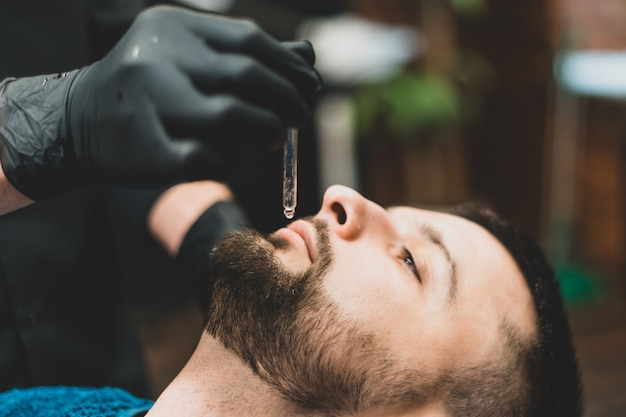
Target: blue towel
point(71, 402)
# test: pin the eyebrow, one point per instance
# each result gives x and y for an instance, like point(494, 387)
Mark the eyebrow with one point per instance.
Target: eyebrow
point(434, 236)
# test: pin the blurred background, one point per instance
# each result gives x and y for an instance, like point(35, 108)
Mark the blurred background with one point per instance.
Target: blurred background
point(521, 104)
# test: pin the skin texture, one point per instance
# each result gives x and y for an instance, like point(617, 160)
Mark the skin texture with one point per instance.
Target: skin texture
point(371, 321)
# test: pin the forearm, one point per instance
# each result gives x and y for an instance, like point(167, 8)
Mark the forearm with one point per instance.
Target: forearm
point(10, 198)
point(189, 220)
point(178, 208)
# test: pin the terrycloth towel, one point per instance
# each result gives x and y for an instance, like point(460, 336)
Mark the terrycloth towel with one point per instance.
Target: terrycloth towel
point(71, 402)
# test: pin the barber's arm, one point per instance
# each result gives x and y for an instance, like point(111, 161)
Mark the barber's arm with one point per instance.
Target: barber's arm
point(188, 220)
point(173, 101)
point(179, 207)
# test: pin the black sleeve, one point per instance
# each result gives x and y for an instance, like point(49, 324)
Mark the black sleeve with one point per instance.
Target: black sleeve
point(195, 250)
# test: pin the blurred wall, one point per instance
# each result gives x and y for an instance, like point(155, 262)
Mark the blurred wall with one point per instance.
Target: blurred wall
point(507, 144)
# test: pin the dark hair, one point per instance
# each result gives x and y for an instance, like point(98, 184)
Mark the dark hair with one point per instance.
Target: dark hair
point(552, 386)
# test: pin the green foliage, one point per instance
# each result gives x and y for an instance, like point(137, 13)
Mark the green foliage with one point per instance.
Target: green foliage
point(469, 7)
point(408, 104)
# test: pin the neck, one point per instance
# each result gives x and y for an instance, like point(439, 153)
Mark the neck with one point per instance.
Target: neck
point(216, 383)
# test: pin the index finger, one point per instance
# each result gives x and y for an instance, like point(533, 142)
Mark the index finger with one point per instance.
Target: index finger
point(226, 34)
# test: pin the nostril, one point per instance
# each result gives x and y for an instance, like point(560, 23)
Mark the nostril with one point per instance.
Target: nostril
point(340, 212)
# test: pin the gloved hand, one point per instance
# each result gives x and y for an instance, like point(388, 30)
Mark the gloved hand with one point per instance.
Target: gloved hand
point(174, 100)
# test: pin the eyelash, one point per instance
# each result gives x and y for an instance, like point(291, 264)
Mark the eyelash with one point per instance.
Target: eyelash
point(407, 258)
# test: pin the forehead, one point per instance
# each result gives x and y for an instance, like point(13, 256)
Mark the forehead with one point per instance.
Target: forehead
point(410, 211)
point(455, 230)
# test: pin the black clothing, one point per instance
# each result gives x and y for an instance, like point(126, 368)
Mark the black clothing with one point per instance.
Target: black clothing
point(64, 311)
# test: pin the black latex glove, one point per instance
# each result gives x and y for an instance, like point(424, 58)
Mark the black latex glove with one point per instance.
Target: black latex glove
point(174, 100)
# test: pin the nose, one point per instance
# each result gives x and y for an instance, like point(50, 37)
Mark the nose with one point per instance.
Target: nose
point(350, 215)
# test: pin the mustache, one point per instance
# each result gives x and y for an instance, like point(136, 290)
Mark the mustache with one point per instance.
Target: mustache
point(246, 261)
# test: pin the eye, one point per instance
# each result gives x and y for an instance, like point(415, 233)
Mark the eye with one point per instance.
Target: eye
point(407, 258)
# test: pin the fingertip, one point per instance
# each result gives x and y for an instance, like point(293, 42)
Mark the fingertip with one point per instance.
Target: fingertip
point(303, 48)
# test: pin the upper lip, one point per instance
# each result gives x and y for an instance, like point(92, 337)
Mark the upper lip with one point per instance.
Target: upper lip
point(306, 231)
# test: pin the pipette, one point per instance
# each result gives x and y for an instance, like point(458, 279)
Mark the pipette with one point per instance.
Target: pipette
point(290, 173)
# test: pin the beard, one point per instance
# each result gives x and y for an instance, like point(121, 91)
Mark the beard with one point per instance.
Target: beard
point(291, 333)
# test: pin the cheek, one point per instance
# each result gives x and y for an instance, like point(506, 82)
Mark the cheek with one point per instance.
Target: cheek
point(455, 338)
point(372, 293)
point(435, 342)
point(384, 302)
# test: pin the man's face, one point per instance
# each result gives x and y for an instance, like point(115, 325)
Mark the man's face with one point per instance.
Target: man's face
point(421, 292)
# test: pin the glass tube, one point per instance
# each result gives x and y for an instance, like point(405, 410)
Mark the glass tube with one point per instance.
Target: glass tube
point(290, 173)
